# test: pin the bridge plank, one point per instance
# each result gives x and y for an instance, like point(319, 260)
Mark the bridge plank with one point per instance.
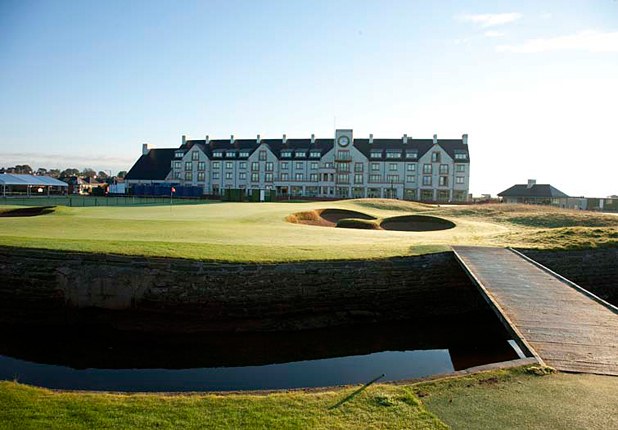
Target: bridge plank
point(567, 329)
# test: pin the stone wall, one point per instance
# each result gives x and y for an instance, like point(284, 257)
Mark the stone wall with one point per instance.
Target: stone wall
point(595, 270)
point(163, 294)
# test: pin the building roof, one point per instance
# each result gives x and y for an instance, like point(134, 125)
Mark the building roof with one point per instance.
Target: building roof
point(421, 146)
point(155, 165)
point(15, 179)
point(535, 191)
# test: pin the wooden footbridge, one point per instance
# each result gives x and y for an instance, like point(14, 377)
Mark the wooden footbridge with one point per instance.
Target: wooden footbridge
point(551, 318)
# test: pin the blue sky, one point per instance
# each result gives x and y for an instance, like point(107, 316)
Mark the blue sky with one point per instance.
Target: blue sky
point(534, 84)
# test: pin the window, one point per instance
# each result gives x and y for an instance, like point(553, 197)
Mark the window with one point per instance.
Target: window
point(343, 167)
point(411, 178)
point(393, 154)
point(215, 164)
point(459, 180)
point(188, 176)
point(188, 165)
point(426, 180)
point(215, 175)
point(358, 178)
point(427, 168)
point(195, 155)
point(392, 178)
point(242, 165)
point(376, 154)
point(217, 154)
point(411, 167)
point(179, 154)
point(201, 165)
point(242, 176)
point(284, 165)
point(329, 165)
point(299, 165)
point(243, 154)
point(343, 155)
point(255, 177)
point(177, 165)
point(313, 177)
point(375, 167)
point(268, 177)
point(461, 156)
point(177, 175)
point(358, 167)
point(343, 178)
point(262, 156)
point(269, 166)
point(460, 168)
point(228, 175)
point(285, 176)
point(435, 157)
point(255, 166)
point(314, 165)
point(299, 177)
point(229, 165)
point(444, 169)
point(411, 155)
point(374, 178)
point(443, 181)
point(300, 154)
point(286, 154)
point(315, 154)
point(230, 154)
point(392, 167)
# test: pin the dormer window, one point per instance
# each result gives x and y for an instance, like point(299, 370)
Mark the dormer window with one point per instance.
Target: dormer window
point(179, 154)
point(393, 154)
point(315, 154)
point(286, 154)
point(217, 154)
point(243, 154)
point(411, 155)
point(376, 154)
point(461, 156)
point(230, 154)
point(300, 154)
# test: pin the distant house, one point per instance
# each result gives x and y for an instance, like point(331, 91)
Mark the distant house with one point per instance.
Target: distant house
point(535, 194)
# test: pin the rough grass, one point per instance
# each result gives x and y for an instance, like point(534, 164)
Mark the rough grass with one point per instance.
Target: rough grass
point(259, 231)
point(527, 397)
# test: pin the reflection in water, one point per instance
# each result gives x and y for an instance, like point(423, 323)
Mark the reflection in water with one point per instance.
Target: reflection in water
point(96, 359)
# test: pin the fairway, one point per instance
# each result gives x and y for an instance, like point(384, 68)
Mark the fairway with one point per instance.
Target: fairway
point(259, 231)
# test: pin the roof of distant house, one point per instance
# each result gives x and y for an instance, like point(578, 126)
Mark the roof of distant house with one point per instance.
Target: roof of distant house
point(534, 191)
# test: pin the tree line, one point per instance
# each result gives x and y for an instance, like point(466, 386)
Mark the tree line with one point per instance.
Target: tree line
point(25, 169)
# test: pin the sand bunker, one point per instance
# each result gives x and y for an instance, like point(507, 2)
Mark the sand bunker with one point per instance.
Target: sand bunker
point(416, 223)
point(343, 218)
point(33, 211)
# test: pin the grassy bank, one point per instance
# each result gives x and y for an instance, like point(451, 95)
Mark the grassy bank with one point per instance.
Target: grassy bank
point(259, 232)
point(515, 398)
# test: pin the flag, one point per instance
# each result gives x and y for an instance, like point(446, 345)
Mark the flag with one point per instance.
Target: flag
point(173, 190)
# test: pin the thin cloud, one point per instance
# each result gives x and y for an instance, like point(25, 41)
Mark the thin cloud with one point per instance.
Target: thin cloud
point(493, 33)
point(491, 19)
point(590, 40)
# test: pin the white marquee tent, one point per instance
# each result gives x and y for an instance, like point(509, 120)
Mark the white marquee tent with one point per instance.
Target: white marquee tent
point(26, 183)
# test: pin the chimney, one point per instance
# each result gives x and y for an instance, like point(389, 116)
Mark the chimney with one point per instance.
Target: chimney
point(285, 139)
point(207, 140)
point(464, 138)
point(371, 138)
point(145, 149)
point(531, 183)
point(405, 138)
point(184, 139)
point(258, 139)
point(232, 139)
point(312, 138)
point(435, 139)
